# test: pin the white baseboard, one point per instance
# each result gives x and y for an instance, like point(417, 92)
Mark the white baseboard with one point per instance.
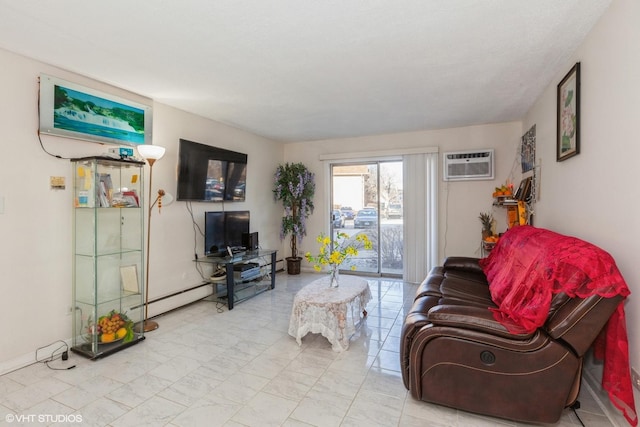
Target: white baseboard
point(17, 363)
point(29, 358)
point(166, 304)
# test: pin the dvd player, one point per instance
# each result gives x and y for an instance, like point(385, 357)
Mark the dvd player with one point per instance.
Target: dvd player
point(249, 274)
point(245, 266)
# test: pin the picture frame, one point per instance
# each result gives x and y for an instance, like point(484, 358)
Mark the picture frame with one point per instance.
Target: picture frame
point(523, 193)
point(528, 150)
point(74, 111)
point(568, 110)
point(129, 277)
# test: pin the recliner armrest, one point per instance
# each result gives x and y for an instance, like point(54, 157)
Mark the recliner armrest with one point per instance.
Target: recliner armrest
point(469, 264)
point(474, 318)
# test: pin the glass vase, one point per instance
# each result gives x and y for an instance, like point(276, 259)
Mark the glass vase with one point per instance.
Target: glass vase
point(334, 276)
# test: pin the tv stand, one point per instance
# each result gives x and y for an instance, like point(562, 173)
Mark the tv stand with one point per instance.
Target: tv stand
point(235, 289)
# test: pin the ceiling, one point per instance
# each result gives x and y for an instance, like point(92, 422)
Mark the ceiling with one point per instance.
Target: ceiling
point(294, 70)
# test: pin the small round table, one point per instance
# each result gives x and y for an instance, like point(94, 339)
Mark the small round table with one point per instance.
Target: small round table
point(333, 312)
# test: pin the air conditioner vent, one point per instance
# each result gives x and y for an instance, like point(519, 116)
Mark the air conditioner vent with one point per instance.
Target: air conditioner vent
point(468, 165)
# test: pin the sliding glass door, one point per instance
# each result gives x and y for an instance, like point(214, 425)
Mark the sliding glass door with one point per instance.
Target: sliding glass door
point(367, 198)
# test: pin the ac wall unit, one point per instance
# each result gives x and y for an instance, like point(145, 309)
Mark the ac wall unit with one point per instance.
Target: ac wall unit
point(468, 165)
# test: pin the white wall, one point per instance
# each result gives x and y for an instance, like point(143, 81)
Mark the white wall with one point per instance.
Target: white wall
point(36, 222)
point(594, 195)
point(172, 238)
point(460, 202)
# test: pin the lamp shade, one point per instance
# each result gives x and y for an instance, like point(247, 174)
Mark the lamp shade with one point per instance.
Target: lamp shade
point(167, 199)
point(151, 152)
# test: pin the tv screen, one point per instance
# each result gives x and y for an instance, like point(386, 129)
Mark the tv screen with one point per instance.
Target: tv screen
point(214, 233)
point(222, 229)
point(235, 224)
point(210, 174)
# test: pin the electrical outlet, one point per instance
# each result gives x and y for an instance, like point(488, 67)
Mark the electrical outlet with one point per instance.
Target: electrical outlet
point(635, 378)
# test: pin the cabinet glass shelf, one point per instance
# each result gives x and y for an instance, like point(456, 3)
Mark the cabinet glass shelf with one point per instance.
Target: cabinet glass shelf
point(112, 252)
point(117, 299)
point(242, 290)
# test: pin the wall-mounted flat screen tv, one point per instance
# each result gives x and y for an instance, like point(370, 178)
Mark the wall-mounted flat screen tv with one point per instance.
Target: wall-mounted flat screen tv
point(210, 174)
point(74, 111)
point(222, 229)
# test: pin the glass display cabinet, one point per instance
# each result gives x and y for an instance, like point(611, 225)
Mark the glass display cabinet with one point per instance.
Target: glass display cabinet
point(108, 255)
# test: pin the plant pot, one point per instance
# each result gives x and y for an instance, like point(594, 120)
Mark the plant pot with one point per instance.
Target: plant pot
point(293, 265)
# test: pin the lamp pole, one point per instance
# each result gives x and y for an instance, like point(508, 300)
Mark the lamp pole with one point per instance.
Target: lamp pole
point(151, 153)
point(149, 325)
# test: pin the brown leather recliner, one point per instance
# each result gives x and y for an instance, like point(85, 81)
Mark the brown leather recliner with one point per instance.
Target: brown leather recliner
point(454, 353)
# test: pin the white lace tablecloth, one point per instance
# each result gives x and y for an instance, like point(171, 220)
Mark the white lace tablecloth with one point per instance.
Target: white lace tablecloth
point(333, 312)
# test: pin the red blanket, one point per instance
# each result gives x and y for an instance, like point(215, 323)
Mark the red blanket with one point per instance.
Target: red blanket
point(529, 265)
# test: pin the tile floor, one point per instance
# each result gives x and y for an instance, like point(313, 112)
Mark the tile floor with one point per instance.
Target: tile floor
point(205, 367)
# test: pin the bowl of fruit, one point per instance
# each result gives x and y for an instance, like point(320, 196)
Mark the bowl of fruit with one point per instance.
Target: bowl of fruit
point(503, 192)
point(110, 328)
point(489, 242)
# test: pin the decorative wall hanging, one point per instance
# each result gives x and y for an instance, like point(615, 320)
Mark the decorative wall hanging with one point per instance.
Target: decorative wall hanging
point(528, 150)
point(568, 137)
point(73, 111)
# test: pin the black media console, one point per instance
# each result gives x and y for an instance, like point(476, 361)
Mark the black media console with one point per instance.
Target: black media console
point(242, 282)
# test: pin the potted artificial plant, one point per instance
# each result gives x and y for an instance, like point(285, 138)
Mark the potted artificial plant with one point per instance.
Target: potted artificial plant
point(294, 186)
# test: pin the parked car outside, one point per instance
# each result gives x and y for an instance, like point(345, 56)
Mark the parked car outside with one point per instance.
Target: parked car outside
point(238, 191)
point(213, 189)
point(366, 218)
point(395, 210)
point(347, 212)
point(337, 219)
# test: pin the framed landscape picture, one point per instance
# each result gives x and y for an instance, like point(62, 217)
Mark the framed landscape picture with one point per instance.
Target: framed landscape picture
point(73, 111)
point(568, 137)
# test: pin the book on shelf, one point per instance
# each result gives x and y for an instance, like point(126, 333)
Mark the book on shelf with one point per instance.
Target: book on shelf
point(105, 191)
point(125, 199)
point(131, 198)
point(108, 198)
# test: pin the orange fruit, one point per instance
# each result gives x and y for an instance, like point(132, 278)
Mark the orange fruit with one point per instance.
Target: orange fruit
point(120, 333)
point(108, 337)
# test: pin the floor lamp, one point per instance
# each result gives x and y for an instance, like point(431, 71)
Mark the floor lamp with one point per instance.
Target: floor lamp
point(151, 153)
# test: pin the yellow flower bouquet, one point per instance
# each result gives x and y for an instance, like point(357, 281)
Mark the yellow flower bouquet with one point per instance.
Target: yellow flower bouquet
point(333, 253)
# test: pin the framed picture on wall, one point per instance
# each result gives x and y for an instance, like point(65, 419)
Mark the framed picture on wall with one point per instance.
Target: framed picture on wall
point(568, 137)
point(528, 150)
point(70, 110)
